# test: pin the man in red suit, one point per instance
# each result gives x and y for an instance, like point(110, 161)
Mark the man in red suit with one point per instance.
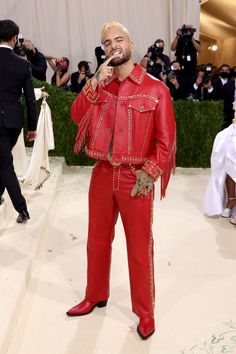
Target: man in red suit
point(126, 117)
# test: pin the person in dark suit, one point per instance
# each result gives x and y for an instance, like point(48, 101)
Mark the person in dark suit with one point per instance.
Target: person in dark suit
point(15, 73)
point(37, 60)
point(80, 77)
point(100, 56)
point(220, 81)
point(229, 96)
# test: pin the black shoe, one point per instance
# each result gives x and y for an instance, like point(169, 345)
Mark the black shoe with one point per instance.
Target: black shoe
point(23, 217)
point(1, 200)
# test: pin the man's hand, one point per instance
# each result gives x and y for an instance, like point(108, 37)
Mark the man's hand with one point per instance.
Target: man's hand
point(199, 80)
point(163, 77)
point(208, 85)
point(105, 71)
point(24, 57)
point(82, 76)
point(174, 81)
point(178, 32)
point(143, 185)
point(31, 135)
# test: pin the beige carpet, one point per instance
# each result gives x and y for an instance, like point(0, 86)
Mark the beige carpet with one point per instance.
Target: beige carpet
point(195, 272)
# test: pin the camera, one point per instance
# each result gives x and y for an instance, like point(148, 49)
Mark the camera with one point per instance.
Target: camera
point(171, 75)
point(187, 31)
point(20, 48)
point(206, 79)
point(208, 68)
point(62, 64)
point(156, 51)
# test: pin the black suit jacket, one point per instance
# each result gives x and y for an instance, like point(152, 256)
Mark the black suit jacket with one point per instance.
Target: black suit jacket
point(228, 94)
point(75, 86)
point(15, 75)
point(218, 88)
point(38, 64)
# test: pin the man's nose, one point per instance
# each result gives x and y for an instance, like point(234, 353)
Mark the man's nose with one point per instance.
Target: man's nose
point(114, 45)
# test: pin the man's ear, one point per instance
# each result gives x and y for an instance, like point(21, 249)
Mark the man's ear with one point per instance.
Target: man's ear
point(14, 40)
point(132, 45)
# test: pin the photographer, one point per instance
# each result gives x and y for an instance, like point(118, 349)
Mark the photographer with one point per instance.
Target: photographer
point(80, 77)
point(60, 67)
point(186, 48)
point(155, 52)
point(100, 56)
point(202, 89)
point(229, 96)
point(174, 81)
point(26, 49)
point(221, 80)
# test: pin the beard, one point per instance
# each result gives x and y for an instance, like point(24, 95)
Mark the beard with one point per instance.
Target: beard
point(119, 61)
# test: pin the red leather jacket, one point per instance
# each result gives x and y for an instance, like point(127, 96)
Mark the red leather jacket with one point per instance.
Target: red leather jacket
point(133, 118)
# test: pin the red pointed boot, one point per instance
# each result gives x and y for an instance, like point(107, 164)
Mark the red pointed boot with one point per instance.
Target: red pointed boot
point(85, 307)
point(146, 327)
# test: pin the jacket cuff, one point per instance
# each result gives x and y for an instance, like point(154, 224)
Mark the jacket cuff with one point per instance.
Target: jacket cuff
point(90, 93)
point(151, 168)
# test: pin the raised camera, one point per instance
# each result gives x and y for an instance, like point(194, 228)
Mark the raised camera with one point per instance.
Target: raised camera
point(188, 31)
point(172, 75)
point(20, 48)
point(206, 79)
point(156, 51)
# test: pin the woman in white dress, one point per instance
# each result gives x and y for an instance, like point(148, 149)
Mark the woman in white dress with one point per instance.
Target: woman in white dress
point(220, 195)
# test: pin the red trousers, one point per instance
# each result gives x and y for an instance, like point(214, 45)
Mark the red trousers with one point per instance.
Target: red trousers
point(109, 194)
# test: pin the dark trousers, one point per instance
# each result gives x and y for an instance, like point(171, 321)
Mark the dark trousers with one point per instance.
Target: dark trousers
point(8, 179)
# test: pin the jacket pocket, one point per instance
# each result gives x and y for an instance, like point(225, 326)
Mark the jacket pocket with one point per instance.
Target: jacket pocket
point(142, 104)
point(140, 124)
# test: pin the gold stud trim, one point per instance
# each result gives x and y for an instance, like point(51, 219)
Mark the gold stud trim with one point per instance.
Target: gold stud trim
point(98, 125)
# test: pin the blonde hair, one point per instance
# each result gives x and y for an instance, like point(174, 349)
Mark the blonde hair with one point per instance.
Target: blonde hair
point(113, 24)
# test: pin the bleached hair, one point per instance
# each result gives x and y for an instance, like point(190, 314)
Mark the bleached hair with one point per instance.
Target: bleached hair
point(113, 24)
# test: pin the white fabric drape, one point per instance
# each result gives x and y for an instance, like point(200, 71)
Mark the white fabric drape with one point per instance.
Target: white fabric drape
point(223, 161)
point(38, 170)
point(71, 28)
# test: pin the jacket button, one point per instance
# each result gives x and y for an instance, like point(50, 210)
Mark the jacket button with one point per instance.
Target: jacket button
point(122, 104)
point(109, 130)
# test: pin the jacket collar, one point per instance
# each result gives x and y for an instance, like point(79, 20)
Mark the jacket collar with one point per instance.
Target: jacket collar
point(5, 46)
point(136, 75)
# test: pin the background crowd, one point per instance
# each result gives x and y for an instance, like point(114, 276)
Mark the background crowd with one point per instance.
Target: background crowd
point(184, 78)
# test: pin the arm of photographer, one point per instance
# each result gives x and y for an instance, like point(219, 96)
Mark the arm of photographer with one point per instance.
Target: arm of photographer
point(175, 41)
point(50, 61)
point(196, 44)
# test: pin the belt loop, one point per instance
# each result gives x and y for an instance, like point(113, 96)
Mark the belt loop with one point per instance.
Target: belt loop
point(116, 178)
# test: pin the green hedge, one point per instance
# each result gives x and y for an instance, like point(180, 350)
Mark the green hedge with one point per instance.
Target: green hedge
point(197, 126)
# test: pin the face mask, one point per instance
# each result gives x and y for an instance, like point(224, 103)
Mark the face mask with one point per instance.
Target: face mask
point(224, 75)
point(159, 49)
point(177, 72)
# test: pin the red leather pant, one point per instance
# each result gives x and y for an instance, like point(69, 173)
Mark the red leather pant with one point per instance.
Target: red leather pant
point(109, 194)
